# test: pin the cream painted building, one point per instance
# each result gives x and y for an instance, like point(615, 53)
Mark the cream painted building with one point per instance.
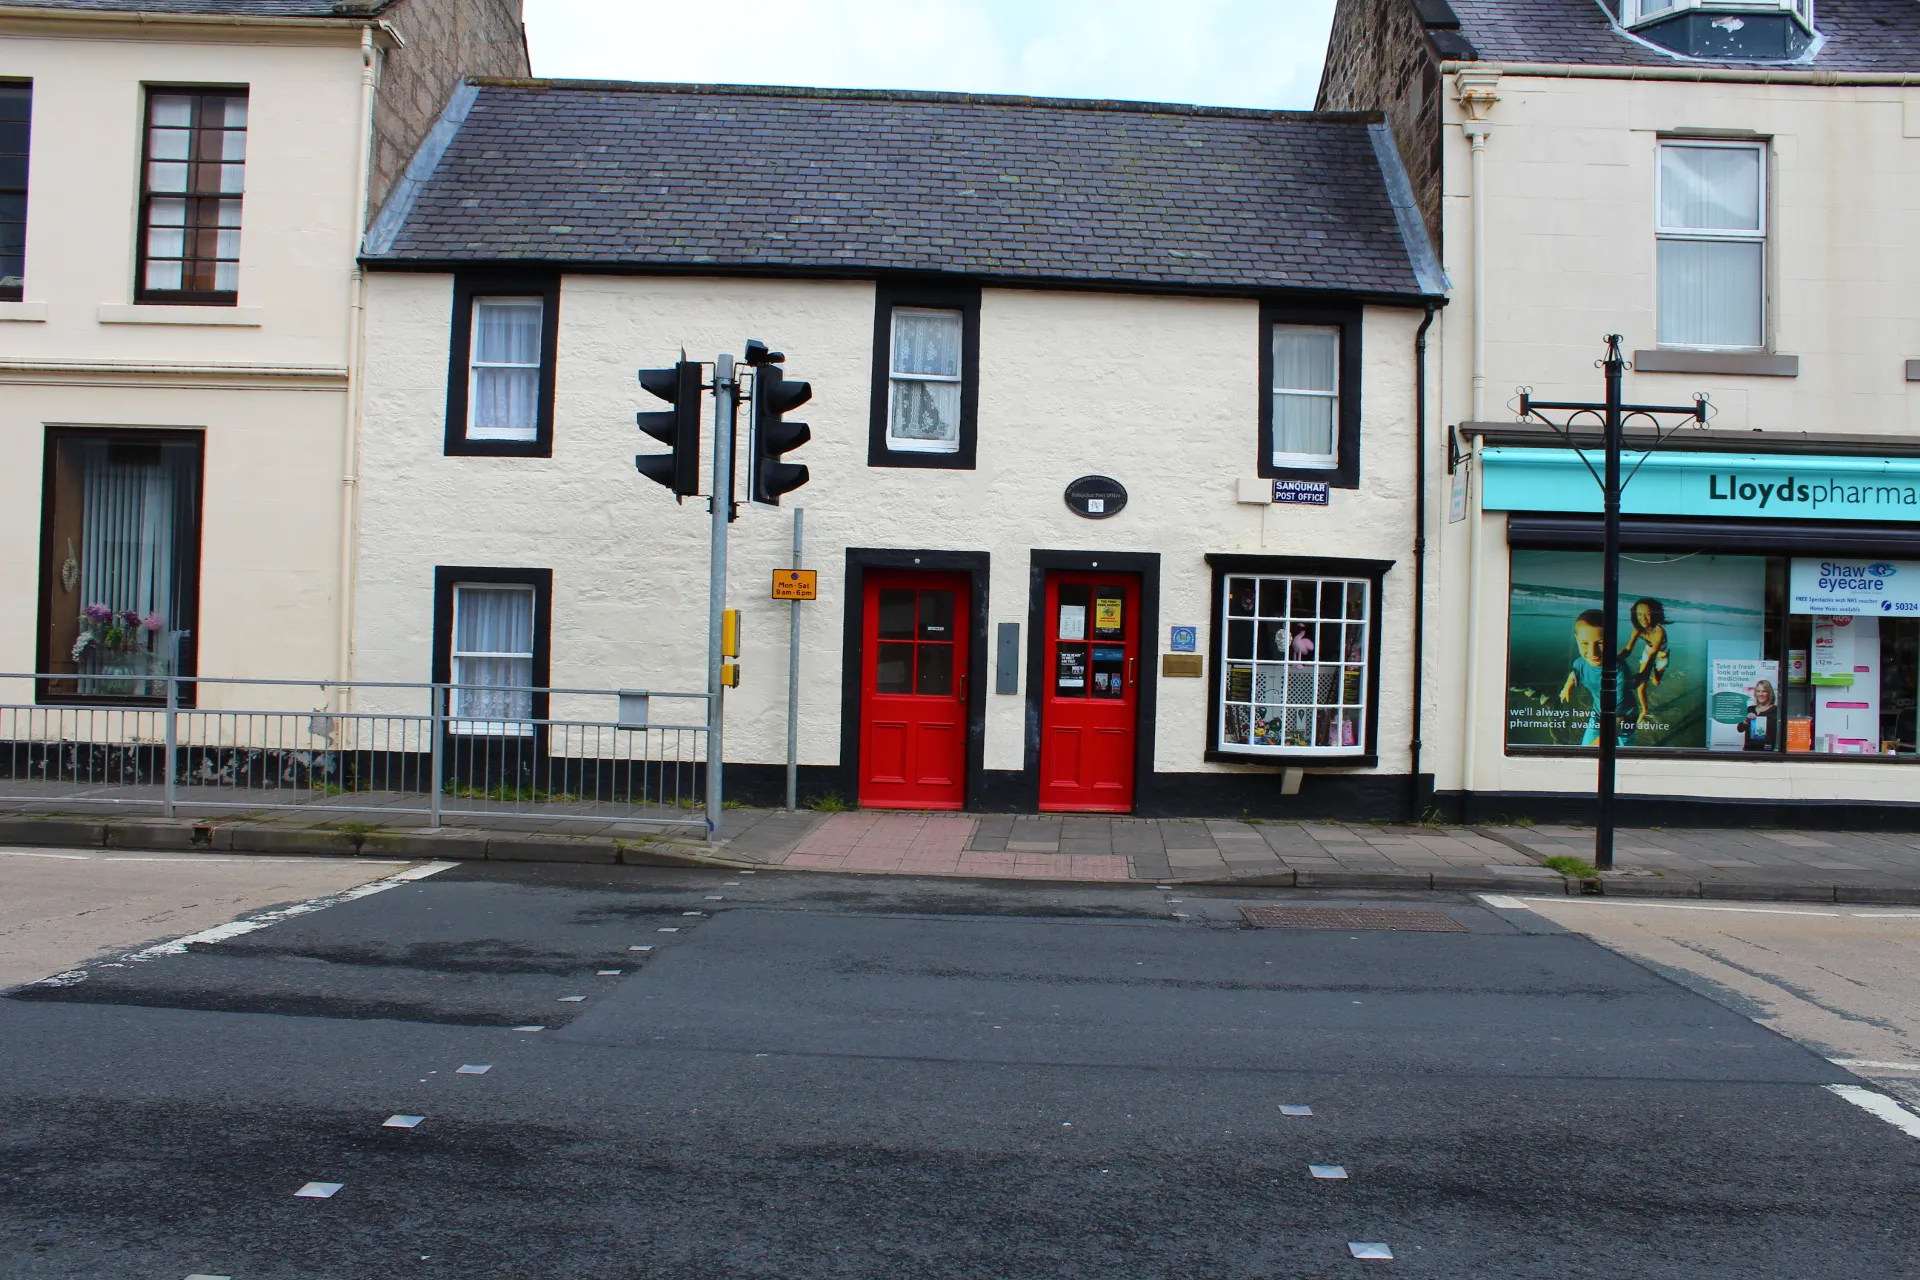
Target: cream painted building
point(1734, 188)
point(183, 188)
point(1066, 359)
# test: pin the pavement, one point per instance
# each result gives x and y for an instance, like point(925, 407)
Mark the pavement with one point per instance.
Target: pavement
point(1815, 866)
point(758, 1073)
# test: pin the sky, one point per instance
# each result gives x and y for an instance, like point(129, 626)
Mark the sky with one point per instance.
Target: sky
point(1234, 53)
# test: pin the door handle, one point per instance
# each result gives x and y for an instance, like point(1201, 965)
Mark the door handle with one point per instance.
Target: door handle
point(963, 687)
point(1133, 671)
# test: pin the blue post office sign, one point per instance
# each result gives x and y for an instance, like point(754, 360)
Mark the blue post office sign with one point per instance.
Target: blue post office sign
point(1312, 493)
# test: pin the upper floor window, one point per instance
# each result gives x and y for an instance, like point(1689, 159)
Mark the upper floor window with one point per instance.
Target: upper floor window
point(16, 119)
point(1712, 233)
point(1310, 394)
point(926, 379)
point(190, 192)
point(504, 401)
point(1306, 395)
point(500, 380)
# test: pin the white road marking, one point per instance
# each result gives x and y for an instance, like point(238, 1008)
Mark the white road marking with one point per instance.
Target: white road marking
point(319, 1190)
point(1875, 1066)
point(200, 858)
point(1681, 906)
point(235, 928)
point(1879, 1104)
point(1502, 902)
point(27, 853)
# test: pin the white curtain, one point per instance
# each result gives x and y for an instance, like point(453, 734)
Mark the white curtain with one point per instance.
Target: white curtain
point(126, 530)
point(1306, 374)
point(1710, 292)
point(506, 368)
point(1710, 188)
point(493, 645)
point(926, 402)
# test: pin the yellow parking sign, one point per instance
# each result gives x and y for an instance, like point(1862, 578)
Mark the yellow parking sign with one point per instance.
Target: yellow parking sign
point(796, 584)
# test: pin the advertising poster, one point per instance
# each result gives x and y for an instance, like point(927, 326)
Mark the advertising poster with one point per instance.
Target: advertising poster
point(1677, 614)
point(1743, 710)
point(1888, 588)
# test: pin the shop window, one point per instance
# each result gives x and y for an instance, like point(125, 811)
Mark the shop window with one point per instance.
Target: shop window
point(192, 182)
point(492, 640)
point(1756, 655)
point(1712, 241)
point(16, 123)
point(1295, 658)
point(1310, 395)
point(500, 384)
point(926, 378)
point(119, 563)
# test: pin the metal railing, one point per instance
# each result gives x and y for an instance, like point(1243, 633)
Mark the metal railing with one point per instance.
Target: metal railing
point(444, 753)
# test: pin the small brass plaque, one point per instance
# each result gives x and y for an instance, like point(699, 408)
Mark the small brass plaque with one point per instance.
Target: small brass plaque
point(1182, 664)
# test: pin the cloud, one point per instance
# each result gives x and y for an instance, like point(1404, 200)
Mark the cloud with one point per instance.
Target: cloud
point(1249, 53)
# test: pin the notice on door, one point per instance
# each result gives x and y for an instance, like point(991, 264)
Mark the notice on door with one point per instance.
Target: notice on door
point(1106, 616)
point(1073, 622)
point(1073, 669)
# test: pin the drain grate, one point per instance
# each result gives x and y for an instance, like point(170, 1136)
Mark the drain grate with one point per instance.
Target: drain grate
point(1413, 921)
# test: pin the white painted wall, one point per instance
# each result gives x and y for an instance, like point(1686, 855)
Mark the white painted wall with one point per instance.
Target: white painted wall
point(270, 393)
point(1160, 393)
point(1571, 252)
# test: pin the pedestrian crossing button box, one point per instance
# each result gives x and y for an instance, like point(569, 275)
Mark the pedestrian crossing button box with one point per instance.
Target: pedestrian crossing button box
point(633, 709)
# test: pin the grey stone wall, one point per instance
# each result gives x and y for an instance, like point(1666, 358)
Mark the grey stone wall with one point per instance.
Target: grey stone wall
point(446, 40)
point(1379, 59)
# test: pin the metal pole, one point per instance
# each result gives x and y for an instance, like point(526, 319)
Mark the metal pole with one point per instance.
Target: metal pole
point(173, 705)
point(1610, 609)
point(725, 391)
point(793, 674)
point(439, 723)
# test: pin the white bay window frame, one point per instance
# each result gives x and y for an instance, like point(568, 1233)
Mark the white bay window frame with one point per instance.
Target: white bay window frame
point(1265, 687)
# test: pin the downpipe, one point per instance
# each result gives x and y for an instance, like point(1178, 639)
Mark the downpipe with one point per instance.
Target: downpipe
point(1419, 556)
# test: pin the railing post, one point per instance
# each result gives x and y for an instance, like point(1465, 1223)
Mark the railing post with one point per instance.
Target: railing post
point(439, 744)
point(172, 731)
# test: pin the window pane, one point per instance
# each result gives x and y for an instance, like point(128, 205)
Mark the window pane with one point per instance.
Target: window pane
point(926, 411)
point(166, 176)
point(1710, 188)
point(1303, 425)
point(1356, 600)
point(235, 114)
point(167, 213)
point(1306, 357)
point(169, 144)
point(120, 536)
point(498, 704)
point(1109, 671)
point(935, 675)
point(163, 275)
point(926, 342)
point(493, 620)
point(226, 277)
point(936, 615)
point(1073, 611)
point(1710, 292)
point(504, 400)
point(166, 242)
point(1273, 598)
point(1271, 640)
point(1070, 674)
point(173, 109)
point(1240, 638)
point(232, 179)
point(893, 669)
point(896, 614)
point(506, 332)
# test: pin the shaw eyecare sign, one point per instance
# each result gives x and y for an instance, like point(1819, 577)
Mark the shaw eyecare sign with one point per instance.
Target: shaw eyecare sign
point(1890, 588)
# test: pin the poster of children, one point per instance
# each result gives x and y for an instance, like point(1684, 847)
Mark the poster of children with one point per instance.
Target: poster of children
point(1677, 614)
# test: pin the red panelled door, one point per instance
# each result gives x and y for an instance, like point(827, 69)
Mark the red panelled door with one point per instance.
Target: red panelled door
point(913, 698)
point(1088, 710)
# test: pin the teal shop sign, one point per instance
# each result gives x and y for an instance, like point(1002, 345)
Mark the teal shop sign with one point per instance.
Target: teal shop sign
point(1735, 485)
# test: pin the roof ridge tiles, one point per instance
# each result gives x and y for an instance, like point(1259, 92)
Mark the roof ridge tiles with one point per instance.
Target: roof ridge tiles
point(1119, 105)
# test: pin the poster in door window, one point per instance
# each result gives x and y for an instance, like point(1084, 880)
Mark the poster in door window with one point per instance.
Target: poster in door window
point(1073, 670)
point(1678, 614)
point(1106, 617)
point(1109, 670)
point(1073, 622)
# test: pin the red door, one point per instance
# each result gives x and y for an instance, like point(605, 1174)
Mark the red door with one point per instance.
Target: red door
point(913, 696)
point(1087, 713)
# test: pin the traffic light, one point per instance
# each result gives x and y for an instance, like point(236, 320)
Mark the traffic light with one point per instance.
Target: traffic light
point(678, 427)
point(773, 395)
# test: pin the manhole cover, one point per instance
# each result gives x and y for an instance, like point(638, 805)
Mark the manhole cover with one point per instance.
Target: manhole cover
point(1415, 921)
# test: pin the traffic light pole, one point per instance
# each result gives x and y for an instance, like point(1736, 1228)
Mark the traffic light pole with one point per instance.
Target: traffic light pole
point(725, 399)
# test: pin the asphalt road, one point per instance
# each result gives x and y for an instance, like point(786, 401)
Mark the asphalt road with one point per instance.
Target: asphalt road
point(825, 1076)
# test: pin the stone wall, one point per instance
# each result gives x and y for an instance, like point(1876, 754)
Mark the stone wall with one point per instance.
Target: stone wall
point(1379, 59)
point(446, 40)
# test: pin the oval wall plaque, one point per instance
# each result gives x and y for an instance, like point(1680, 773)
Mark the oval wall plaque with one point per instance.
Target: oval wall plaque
point(1096, 497)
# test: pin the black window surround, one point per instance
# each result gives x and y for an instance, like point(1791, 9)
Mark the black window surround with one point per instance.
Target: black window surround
point(16, 126)
point(468, 286)
point(1346, 473)
point(1374, 572)
point(967, 302)
point(186, 610)
point(446, 577)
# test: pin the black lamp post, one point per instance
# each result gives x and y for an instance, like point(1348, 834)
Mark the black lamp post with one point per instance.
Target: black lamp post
point(1612, 415)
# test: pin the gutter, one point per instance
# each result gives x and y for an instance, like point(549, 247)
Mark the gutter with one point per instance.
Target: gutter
point(1734, 75)
point(389, 38)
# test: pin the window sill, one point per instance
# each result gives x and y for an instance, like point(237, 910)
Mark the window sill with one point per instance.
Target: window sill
point(1747, 364)
point(156, 313)
point(1307, 759)
point(29, 312)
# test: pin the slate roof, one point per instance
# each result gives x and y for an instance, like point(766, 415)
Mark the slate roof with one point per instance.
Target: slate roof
point(1862, 35)
point(223, 8)
point(830, 182)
